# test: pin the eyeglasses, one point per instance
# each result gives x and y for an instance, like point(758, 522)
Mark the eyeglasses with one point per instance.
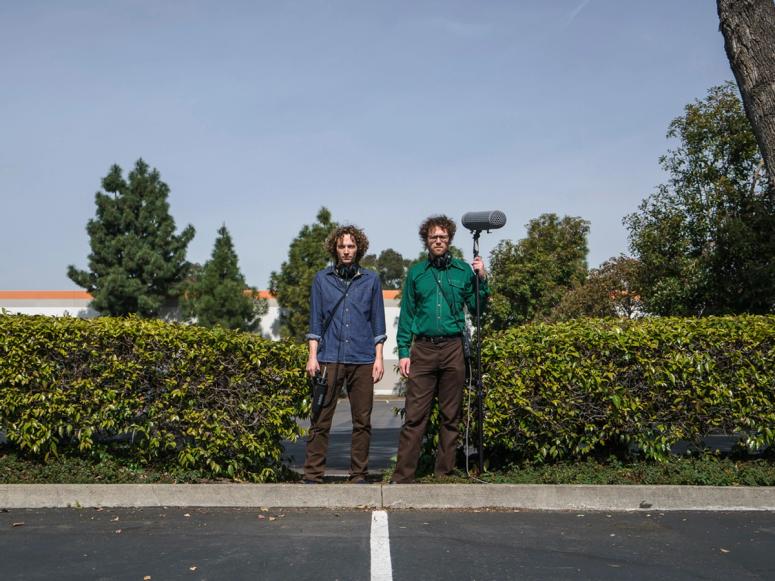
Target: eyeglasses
point(439, 238)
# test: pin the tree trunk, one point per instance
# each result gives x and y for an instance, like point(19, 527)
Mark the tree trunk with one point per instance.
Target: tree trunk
point(748, 27)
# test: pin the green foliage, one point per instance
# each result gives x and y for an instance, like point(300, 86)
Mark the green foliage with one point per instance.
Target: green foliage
point(390, 266)
point(530, 277)
point(706, 470)
point(137, 262)
point(609, 291)
point(216, 295)
point(706, 238)
point(113, 468)
point(292, 284)
point(601, 386)
point(216, 401)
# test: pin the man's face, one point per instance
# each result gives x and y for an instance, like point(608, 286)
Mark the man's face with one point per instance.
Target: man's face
point(438, 241)
point(346, 249)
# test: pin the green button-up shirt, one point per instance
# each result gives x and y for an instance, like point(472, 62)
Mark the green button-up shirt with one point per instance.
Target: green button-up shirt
point(432, 301)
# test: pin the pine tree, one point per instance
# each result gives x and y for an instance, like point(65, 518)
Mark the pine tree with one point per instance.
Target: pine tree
point(216, 296)
point(291, 285)
point(137, 262)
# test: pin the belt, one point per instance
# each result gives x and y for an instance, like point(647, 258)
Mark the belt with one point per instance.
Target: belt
point(437, 338)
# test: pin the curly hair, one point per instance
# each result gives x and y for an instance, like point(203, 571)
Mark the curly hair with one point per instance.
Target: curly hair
point(358, 235)
point(440, 221)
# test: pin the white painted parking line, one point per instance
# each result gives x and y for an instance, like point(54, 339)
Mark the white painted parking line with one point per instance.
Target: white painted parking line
point(381, 567)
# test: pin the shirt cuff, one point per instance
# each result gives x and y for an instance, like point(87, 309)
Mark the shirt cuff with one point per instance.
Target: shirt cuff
point(380, 339)
point(312, 337)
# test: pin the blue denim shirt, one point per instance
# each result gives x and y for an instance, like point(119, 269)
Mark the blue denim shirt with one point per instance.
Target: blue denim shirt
point(358, 323)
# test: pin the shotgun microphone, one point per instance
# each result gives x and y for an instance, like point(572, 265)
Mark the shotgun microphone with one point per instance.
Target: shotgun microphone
point(478, 221)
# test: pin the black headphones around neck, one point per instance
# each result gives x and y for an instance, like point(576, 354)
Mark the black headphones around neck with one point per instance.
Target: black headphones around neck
point(346, 271)
point(441, 262)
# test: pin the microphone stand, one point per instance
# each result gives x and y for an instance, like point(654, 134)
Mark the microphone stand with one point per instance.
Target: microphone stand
point(478, 373)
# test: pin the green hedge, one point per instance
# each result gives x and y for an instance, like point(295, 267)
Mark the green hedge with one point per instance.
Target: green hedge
point(222, 402)
point(211, 400)
point(592, 386)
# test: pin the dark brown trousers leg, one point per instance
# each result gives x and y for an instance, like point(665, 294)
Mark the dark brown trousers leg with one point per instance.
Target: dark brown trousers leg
point(360, 389)
point(435, 369)
point(361, 392)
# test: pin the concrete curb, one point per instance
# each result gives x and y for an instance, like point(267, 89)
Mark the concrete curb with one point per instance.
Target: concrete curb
point(405, 496)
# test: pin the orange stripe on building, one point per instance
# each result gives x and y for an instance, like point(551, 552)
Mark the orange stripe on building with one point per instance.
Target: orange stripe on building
point(42, 295)
point(45, 295)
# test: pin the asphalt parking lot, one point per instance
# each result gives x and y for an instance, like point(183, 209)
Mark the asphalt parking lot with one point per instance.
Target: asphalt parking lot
point(255, 543)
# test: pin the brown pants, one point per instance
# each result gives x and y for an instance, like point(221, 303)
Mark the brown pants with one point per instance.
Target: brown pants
point(435, 369)
point(360, 390)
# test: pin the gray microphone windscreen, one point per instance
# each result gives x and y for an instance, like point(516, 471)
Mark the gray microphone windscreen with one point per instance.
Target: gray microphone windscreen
point(484, 220)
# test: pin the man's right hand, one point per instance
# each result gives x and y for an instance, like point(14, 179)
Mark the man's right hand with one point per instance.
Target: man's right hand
point(403, 365)
point(312, 366)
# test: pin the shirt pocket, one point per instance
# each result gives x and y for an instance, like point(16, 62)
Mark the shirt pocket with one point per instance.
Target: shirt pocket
point(457, 288)
point(359, 299)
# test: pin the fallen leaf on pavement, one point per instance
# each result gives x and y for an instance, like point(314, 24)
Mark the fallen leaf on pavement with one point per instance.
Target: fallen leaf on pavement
point(17, 524)
point(192, 568)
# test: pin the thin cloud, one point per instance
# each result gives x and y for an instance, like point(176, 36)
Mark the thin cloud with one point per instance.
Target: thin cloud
point(575, 12)
point(459, 28)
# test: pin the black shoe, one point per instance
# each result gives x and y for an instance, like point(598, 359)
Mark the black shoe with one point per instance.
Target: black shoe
point(357, 480)
point(308, 481)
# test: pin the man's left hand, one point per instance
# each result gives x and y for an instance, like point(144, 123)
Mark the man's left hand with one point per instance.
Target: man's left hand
point(478, 266)
point(377, 371)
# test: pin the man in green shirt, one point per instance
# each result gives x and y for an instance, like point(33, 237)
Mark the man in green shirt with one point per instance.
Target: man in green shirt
point(430, 344)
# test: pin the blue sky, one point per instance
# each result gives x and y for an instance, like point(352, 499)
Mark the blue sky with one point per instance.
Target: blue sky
point(259, 113)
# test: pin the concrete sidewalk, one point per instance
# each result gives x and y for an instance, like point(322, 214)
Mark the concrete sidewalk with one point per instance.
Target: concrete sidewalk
point(391, 496)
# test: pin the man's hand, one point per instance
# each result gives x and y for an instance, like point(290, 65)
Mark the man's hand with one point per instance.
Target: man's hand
point(312, 366)
point(403, 365)
point(378, 370)
point(478, 266)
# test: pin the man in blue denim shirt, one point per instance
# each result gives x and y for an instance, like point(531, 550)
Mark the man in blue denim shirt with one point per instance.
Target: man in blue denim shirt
point(348, 299)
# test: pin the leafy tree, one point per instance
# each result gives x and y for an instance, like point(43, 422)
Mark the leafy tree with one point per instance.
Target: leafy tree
point(390, 266)
point(530, 277)
point(748, 27)
point(291, 285)
point(706, 238)
point(217, 294)
point(609, 291)
point(137, 263)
